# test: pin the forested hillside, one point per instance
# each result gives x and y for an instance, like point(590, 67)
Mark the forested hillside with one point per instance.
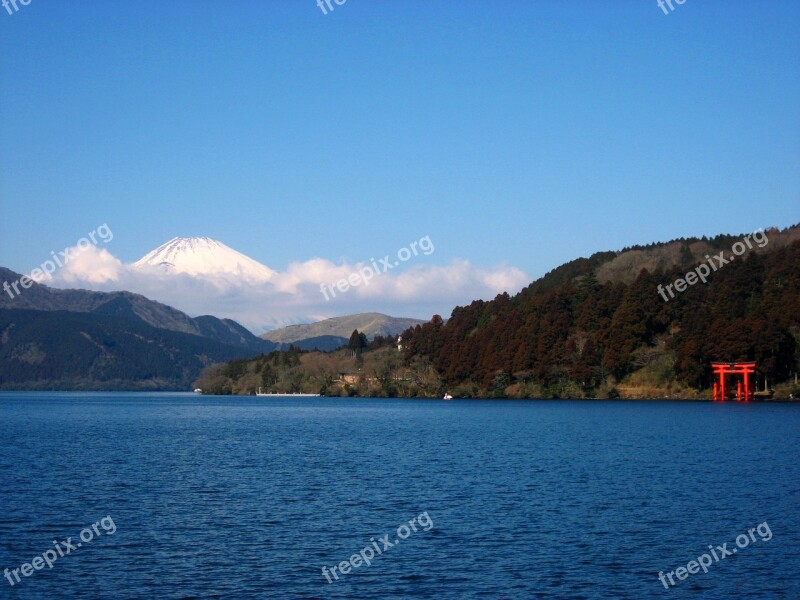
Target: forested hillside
point(571, 334)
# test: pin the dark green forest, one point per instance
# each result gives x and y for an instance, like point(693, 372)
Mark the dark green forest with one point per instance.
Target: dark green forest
point(570, 332)
point(58, 350)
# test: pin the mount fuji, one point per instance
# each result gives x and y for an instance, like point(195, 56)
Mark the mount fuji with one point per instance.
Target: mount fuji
point(203, 257)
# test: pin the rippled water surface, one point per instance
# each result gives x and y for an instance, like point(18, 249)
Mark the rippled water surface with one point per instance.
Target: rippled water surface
point(250, 498)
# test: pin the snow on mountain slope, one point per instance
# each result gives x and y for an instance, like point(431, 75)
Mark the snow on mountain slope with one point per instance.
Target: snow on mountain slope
point(202, 256)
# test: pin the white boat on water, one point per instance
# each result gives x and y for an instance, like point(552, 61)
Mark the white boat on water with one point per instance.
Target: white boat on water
point(260, 393)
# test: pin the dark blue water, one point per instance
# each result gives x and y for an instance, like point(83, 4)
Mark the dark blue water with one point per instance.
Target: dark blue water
point(250, 498)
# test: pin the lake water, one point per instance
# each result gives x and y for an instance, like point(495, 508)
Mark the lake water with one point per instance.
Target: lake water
point(207, 497)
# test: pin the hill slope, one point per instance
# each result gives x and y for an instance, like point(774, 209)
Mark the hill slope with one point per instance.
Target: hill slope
point(133, 306)
point(370, 324)
point(71, 350)
point(70, 339)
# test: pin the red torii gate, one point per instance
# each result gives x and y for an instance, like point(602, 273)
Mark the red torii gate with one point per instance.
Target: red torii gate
point(722, 369)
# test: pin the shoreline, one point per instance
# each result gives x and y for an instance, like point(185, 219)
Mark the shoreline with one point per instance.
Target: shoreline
point(357, 397)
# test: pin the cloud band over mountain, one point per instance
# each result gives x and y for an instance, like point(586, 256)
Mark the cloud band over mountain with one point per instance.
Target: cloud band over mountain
point(203, 276)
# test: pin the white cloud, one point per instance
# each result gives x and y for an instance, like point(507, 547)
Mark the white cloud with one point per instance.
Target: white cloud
point(92, 265)
point(80, 264)
point(293, 295)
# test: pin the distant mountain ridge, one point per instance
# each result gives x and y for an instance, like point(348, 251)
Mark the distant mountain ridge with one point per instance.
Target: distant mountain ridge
point(42, 297)
point(62, 350)
point(370, 324)
point(79, 339)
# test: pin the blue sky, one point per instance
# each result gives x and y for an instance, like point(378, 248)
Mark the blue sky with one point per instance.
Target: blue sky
point(527, 133)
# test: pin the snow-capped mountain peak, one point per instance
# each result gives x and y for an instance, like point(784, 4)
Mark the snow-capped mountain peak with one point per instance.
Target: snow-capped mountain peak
point(203, 256)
